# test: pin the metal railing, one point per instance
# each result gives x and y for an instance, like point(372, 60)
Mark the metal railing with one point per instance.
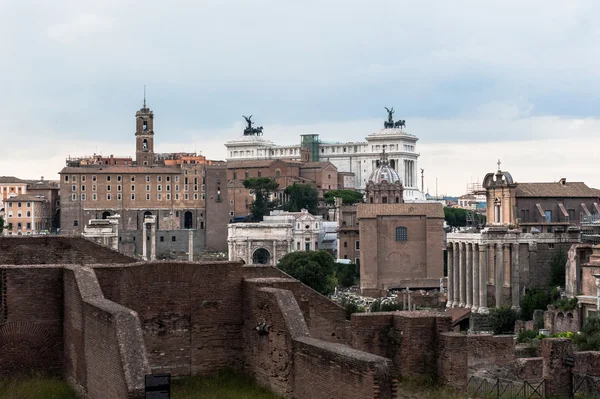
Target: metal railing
point(499, 388)
point(586, 385)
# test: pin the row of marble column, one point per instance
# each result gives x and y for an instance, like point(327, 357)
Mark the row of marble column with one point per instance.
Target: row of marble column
point(468, 274)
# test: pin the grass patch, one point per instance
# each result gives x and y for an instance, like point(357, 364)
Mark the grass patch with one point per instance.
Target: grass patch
point(35, 387)
point(423, 388)
point(228, 385)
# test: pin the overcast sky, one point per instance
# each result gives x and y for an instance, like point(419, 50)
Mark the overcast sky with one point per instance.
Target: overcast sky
point(476, 81)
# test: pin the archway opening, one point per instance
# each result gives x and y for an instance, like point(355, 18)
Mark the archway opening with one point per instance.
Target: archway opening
point(187, 220)
point(261, 257)
point(105, 214)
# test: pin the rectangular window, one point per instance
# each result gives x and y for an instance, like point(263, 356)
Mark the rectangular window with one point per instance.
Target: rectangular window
point(73, 188)
point(132, 178)
point(93, 187)
point(108, 188)
point(132, 196)
point(177, 196)
point(187, 196)
point(74, 197)
point(401, 234)
point(29, 225)
point(118, 196)
point(173, 239)
point(19, 214)
point(168, 196)
point(159, 178)
point(147, 197)
point(94, 197)
point(93, 177)
point(119, 178)
point(159, 187)
point(28, 214)
point(83, 197)
point(147, 187)
point(168, 178)
point(159, 196)
point(195, 196)
point(345, 244)
point(133, 187)
point(548, 215)
point(66, 179)
point(147, 179)
point(357, 245)
point(74, 178)
point(177, 187)
point(29, 205)
point(176, 179)
point(108, 196)
point(83, 178)
point(168, 188)
point(83, 188)
point(108, 178)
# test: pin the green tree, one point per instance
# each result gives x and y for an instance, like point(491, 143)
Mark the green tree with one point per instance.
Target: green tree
point(313, 268)
point(346, 274)
point(262, 187)
point(301, 196)
point(1, 224)
point(558, 269)
point(455, 217)
point(348, 197)
point(536, 298)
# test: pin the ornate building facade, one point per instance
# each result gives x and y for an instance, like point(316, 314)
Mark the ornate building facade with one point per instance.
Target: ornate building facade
point(360, 158)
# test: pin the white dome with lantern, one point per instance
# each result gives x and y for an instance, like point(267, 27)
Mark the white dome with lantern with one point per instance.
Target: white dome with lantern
point(384, 172)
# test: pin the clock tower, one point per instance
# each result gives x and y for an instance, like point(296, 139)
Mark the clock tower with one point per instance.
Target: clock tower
point(144, 136)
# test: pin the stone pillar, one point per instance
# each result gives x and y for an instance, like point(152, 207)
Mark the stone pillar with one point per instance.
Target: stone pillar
point(450, 260)
point(409, 301)
point(191, 245)
point(469, 282)
point(248, 253)
point(144, 241)
point(475, 307)
point(274, 253)
point(456, 277)
point(483, 265)
point(153, 241)
point(499, 272)
point(462, 275)
point(515, 276)
point(559, 380)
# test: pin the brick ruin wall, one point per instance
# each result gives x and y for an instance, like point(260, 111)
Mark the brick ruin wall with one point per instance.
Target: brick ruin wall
point(55, 250)
point(485, 350)
point(190, 313)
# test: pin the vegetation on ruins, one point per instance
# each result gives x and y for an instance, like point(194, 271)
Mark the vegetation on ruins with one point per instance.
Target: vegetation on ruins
point(227, 385)
point(588, 338)
point(455, 217)
point(537, 298)
point(502, 320)
point(1, 224)
point(313, 268)
point(35, 387)
point(262, 188)
point(301, 196)
point(349, 197)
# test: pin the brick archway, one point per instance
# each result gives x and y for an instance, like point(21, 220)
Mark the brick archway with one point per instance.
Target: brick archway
point(26, 347)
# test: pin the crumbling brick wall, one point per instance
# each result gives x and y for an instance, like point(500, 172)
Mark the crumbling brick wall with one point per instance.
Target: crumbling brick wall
point(190, 312)
point(487, 350)
point(55, 250)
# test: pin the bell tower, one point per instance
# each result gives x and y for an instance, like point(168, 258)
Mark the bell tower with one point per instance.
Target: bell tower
point(144, 135)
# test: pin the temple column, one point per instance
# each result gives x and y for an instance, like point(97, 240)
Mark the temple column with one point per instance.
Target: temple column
point(483, 265)
point(475, 306)
point(274, 253)
point(515, 274)
point(449, 262)
point(248, 253)
point(462, 275)
point(144, 241)
point(190, 245)
point(499, 273)
point(456, 277)
point(469, 282)
point(153, 241)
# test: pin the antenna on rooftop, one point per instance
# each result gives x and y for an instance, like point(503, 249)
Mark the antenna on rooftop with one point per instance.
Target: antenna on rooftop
point(144, 96)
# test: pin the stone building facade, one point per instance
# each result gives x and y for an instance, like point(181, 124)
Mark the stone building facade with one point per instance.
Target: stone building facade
point(27, 214)
point(360, 158)
point(179, 190)
point(493, 267)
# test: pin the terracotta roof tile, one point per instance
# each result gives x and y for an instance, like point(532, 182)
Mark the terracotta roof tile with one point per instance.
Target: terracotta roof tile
point(569, 189)
point(11, 179)
point(101, 169)
point(25, 197)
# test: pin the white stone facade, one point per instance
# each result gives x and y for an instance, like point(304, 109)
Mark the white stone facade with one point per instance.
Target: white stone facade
point(103, 231)
point(359, 158)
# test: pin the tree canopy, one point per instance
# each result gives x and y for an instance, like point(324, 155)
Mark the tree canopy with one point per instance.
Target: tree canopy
point(301, 196)
point(455, 217)
point(1, 224)
point(262, 188)
point(313, 268)
point(349, 197)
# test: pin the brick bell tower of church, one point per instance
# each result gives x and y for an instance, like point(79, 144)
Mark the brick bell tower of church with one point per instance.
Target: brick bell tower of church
point(144, 136)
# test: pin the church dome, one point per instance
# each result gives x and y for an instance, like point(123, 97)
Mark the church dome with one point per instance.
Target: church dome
point(384, 172)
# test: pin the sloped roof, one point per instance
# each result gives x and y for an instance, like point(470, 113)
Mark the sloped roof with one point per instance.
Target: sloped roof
point(251, 163)
point(100, 169)
point(435, 210)
point(316, 165)
point(25, 197)
point(568, 189)
point(11, 179)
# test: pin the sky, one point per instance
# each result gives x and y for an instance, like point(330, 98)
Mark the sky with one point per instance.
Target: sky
point(475, 81)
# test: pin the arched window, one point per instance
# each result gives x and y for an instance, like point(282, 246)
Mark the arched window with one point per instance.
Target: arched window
point(187, 220)
point(277, 174)
point(401, 233)
point(145, 144)
point(105, 214)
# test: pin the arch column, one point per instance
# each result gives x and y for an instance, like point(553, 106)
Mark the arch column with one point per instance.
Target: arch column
point(449, 261)
point(469, 272)
point(456, 271)
point(274, 256)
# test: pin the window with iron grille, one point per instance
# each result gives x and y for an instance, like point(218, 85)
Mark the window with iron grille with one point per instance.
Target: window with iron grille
point(401, 234)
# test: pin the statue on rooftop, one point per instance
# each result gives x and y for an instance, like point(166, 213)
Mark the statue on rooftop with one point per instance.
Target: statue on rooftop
point(390, 122)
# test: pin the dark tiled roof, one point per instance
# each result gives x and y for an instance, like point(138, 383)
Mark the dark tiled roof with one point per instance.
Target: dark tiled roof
point(252, 163)
point(106, 169)
point(569, 189)
point(374, 210)
point(315, 165)
point(11, 179)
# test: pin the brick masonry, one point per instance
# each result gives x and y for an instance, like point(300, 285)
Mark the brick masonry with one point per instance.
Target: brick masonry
point(487, 350)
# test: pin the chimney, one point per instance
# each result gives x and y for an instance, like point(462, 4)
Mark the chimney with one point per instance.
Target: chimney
point(563, 181)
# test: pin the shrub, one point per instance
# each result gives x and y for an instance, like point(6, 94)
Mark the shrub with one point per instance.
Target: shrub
point(589, 337)
point(558, 269)
point(535, 298)
point(502, 320)
point(346, 274)
point(526, 335)
point(377, 306)
point(566, 304)
point(352, 307)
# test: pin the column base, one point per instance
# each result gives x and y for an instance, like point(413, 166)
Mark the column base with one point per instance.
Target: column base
point(474, 309)
point(449, 304)
point(483, 310)
point(515, 307)
point(461, 305)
